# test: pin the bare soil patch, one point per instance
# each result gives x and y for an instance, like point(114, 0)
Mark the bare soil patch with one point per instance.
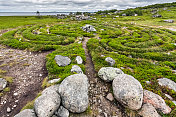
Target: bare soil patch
point(28, 71)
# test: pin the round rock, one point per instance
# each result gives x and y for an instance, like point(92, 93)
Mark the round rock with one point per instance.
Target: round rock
point(167, 83)
point(3, 84)
point(79, 60)
point(128, 91)
point(62, 112)
point(74, 93)
point(47, 104)
point(62, 60)
point(157, 101)
point(77, 69)
point(109, 73)
point(26, 113)
point(110, 61)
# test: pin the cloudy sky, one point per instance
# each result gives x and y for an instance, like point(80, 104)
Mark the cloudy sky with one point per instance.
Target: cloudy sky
point(72, 5)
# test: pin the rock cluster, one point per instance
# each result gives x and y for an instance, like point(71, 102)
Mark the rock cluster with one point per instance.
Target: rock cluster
point(88, 28)
point(57, 100)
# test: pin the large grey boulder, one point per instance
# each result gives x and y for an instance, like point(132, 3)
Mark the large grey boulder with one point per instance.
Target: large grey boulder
point(148, 110)
point(26, 113)
point(128, 91)
point(77, 69)
point(88, 28)
point(79, 60)
point(62, 112)
point(168, 83)
point(62, 60)
point(74, 93)
point(109, 73)
point(3, 84)
point(110, 61)
point(48, 103)
point(157, 101)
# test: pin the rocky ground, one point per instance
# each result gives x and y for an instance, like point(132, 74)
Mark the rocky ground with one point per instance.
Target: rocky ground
point(100, 97)
point(28, 71)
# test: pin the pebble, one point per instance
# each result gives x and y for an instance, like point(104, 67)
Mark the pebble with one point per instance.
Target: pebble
point(15, 94)
point(40, 75)
point(8, 110)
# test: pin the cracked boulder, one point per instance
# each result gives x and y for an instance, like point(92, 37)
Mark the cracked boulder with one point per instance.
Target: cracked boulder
point(109, 73)
point(128, 91)
point(74, 93)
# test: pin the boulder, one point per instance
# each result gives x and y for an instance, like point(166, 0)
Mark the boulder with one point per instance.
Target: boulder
point(79, 60)
point(74, 93)
point(109, 73)
point(77, 69)
point(157, 101)
point(3, 84)
point(26, 113)
point(88, 28)
point(148, 110)
point(62, 60)
point(128, 91)
point(47, 104)
point(167, 83)
point(62, 112)
point(110, 61)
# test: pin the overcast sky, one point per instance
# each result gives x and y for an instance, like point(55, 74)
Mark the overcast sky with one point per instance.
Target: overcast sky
point(72, 5)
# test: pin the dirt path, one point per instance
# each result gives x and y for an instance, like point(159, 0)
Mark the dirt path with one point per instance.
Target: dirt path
point(28, 71)
point(98, 91)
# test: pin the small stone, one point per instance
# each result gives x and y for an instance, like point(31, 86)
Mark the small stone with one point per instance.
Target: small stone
point(14, 106)
point(110, 97)
point(40, 75)
point(62, 112)
point(168, 96)
point(8, 110)
point(53, 81)
point(15, 94)
point(110, 61)
point(79, 60)
point(3, 84)
point(77, 69)
point(148, 82)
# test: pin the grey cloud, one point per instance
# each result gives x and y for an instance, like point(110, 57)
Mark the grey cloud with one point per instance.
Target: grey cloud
point(73, 5)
